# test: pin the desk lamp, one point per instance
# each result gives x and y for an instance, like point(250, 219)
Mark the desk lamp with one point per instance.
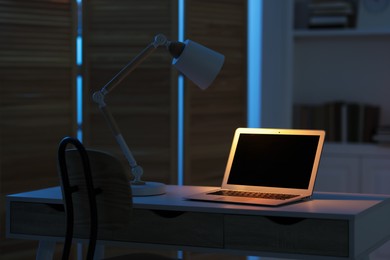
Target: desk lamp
point(198, 63)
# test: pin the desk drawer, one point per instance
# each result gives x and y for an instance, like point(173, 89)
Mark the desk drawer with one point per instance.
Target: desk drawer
point(37, 219)
point(287, 235)
point(174, 228)
point(145, 226)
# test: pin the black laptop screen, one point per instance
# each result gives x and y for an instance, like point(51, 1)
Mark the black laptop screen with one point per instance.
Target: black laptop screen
point(281, 161)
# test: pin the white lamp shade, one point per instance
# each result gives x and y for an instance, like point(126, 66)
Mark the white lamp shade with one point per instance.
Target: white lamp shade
point(199, 64)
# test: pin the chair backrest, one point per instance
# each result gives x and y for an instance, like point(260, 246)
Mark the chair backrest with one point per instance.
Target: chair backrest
point(96, 193)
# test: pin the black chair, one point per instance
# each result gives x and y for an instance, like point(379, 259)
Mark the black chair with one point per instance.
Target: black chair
point(97, 197)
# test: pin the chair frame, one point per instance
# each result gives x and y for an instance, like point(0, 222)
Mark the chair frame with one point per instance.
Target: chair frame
point(68, 190)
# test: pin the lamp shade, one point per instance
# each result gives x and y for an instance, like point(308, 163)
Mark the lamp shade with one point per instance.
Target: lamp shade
point(199, 64)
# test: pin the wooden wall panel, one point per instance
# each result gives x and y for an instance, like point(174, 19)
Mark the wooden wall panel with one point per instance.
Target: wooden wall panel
point(36, 98)
point(144, 104)
point(213, 115)
point(37, 89)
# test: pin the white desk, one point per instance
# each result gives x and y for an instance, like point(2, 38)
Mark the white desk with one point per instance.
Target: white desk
point(329, 226)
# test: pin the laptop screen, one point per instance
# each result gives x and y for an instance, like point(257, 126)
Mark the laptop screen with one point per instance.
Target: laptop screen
point(271, 160)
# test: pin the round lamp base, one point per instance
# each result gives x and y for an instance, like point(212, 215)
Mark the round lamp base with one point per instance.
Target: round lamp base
point(148, 189)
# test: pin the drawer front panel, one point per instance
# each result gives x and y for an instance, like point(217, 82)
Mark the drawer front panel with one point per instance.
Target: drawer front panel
point(145, 226)
point(287, 235)
point(37, 219)
point(175, 228)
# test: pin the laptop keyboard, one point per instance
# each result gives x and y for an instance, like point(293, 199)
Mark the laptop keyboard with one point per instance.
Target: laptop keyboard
point(251, 194)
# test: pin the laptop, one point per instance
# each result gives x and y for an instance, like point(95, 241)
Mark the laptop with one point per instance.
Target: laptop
point(269, 167)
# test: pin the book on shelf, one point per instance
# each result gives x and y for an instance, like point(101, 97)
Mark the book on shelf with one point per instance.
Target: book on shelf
point(342, 121)
point(331, 14)
point(382, 135)
point(381, 138)
point(332, 6)
point(328, 21)
point(384, 129)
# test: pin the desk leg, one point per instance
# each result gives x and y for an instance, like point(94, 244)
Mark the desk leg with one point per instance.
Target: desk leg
point(99, 252)
point(45, 250)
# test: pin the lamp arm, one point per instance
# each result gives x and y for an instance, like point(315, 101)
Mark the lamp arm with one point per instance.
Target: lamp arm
point(99, 96)
point(136, 170)
point(159, 40)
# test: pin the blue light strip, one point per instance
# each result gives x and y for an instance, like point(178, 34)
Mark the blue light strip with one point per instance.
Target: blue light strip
point(79, 79)
point(180, 102)
point(180, 131)
point(79, 50)
point(79, 107)
point(255, 14)
point(180, 108)
point(79, 92)
point(254, 62)
point(181, 17)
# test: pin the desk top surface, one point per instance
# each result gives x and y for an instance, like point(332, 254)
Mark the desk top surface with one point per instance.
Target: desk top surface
point(321, 205)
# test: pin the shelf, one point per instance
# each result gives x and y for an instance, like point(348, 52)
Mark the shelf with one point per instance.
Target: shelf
point(340, 32)
point(332, 148)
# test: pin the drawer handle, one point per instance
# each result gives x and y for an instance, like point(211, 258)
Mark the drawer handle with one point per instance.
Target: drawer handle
point(168, 213)
point(286, 221)
point(56, 207)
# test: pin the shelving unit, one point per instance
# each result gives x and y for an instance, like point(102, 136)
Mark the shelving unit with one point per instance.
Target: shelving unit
point(356, 168)
point(345, 64)
point(339, 32)
point(350, 65)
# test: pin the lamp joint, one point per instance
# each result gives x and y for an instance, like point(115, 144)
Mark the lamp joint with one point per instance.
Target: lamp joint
point(160, 40)
point(98, 98)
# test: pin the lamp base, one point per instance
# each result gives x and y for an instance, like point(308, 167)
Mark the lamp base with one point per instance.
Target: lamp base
point(148, 189)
